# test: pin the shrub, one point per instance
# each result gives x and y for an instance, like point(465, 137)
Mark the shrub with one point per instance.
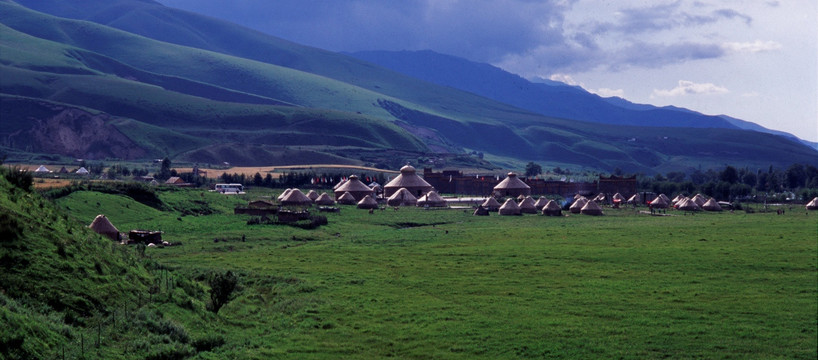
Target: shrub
point(221, 288)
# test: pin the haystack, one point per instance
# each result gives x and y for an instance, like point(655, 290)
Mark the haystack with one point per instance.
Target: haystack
point(409, 180)
point(367, 203)
point(402, 197)
point(346, 199)
point(491, 204)
point(324, 199)
point(510, 207)
point(432, 199)
point(591, 208)
point(354, 187)
point(551, 208)
point(512, 186)
point(101, 225)
point(296, 198)
point(711, 205)
point(527, 206)
point(576, 207)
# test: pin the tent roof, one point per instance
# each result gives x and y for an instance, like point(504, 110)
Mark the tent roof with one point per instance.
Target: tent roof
point(354, 185)
point(346, 197)
point(408, 178)
point(296, 197)
point(527, 204)
point(324, 199)
point(511, 182)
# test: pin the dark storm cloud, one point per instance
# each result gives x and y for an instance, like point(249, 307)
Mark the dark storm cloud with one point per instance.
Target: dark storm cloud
point(666, 17)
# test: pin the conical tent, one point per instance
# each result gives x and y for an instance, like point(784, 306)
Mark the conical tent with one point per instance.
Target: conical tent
point(481, 211)
point(432, 199)
point(551, 208)
point(296, 198)
point(324, 199)
point(284, 194)
point(409, 180)
point(339, 184)
point(676, 200)
point(665, 198)
point(699, 199)
point(347, 199)
point(402, 197)
point(354, 187)
point(312, 195)
point(635, 199)
point(527, 206)
point(367, 203)
point(676, 204)
point(687, 205)
point(618, 198)
point(540, 202)
point(510, 207)
point(599, 197)
point(576, 207)
point(812, 205)
point(82, 171)
point(659, 203)
point(101, 225)
point(491, 204)
point(63, 170)
point(711, 205)
point(42, 169)
point(512, 186)
point(591, 208)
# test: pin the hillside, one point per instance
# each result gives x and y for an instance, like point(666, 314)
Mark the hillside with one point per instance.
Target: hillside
point(231, 85)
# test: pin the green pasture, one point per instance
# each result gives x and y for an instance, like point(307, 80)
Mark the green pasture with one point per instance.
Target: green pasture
point(417, 283)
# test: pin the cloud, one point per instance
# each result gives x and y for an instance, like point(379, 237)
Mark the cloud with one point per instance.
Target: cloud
point(751, 47)
point(686, 87)
point(605, 92)
point(661, 17)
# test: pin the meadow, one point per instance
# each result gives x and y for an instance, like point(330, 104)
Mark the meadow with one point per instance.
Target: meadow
point(417, 283)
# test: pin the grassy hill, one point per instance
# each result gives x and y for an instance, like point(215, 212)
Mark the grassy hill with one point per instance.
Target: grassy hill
point(230, 85)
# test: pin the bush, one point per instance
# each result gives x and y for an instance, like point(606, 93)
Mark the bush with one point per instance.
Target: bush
point(221, 288)
point(18, 177)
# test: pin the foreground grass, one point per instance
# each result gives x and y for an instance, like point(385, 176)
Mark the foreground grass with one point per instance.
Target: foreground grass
point(445, 284)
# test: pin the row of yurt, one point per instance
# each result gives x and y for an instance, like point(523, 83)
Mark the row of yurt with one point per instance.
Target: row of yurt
point(294, 197)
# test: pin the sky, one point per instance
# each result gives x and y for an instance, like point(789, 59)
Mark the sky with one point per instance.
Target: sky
point(755, 60)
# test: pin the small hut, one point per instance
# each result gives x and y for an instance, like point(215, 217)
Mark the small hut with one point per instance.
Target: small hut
point(481, 211)
point(324, 199)
point(432, 199)
point(551, 208)
point(367, 203)
point(591, 208)
point(101, 225)
point(409, 180)
point(296, 198)
point(812, 205)
point(510, 207)
point(711, 205)
point(354, 187)
point(491, 204)
point(527, 206)
point(347, 199)
point(312, 195)
point(512, 186)
point(402, 197)
point(576, 207)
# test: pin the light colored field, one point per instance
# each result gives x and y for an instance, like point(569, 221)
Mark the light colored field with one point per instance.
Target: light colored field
point(50, 183)
point(252, 170)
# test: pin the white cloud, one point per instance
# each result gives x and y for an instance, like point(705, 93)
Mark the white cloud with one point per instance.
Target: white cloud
point(605, 92)
point(686, 87)
point(564, 78)
point(751, 47)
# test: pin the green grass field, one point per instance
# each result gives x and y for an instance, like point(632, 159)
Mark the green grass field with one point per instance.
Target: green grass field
point(417, 283)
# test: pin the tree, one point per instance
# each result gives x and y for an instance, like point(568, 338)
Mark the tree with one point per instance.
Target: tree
point(532, 169)
point(729, 175)
point(796, 176)
point(257, 179)
point(164, 170)
point(221, 288)
point(676, 176)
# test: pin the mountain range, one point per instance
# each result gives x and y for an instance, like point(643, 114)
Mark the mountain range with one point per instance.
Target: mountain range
point(133, 79)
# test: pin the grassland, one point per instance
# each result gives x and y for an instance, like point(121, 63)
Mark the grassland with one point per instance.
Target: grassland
point(417, 283)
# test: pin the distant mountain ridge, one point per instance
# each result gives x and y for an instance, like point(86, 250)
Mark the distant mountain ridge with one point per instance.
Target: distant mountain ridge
point(196, 88)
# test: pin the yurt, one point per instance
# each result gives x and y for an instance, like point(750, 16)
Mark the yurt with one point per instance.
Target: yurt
point(402, 197)
point(312, 195)
point(618, 198)
point(42, 169)
point(296, 198)
point(409, 180)
point(812, 205)
point(687, 205)
point(339, 184)
point(481, 211)
point(354, 187)
point(347, 199)
point(324, 199)
point(101, 225)
point(540, 202)
point(527, 206)
point(599, 197)
point(63, 170)
point(551, 208)
point(676, 200)
point(512, 186)
point(659, 203)
point(699, 199)
point(635, 199)
point(82, 171)
point(491, 204)
point(576, 207)
point(284, 194)
point(665, 198)
point(432, 199)
point(367, 203)
point(676, 204)
point(510, 207)
point(591, 208)
point(711, 205)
